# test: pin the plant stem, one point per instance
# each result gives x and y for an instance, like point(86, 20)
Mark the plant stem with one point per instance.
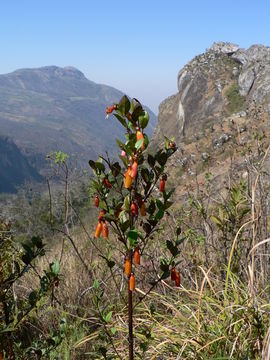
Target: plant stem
point(130, 325)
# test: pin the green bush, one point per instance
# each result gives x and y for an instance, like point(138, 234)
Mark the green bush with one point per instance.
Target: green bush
point(235, 100)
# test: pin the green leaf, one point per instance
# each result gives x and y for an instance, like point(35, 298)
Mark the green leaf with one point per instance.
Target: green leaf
point(145, 174)
point(55, 267)
point(169, 193)
point(36, 240)
point(132, 237)
point(180, 241)
point(124, 105)
point(109, 217)
point(28, 250)
point(165, 275)
point(217, 221)
point(123, 216)
point(168, 204)
point(127, 203)
point(100, 166)
point(92, 164)
point(159, 204)
point(147, 228)
point(124, 226)
point(121, 119)
point(143, 119)
point(152, 308)
point(32, 298)
point(26, 259)
point(151, 160)
point(108, 317)
point(137, 111)
point(96, 284)
point(152, 207)
point(159, 215)
point(113, 330)
point(172, 248)
point(132, 105)
point(111, 263)
point(162, 158)
point(164, 265)
point(139, 144)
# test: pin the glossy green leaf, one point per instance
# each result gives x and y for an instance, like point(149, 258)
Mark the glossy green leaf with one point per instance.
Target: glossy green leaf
point(124, 105)
point(121, 119)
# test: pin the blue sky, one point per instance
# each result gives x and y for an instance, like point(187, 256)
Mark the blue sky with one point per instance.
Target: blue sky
point(135, 46)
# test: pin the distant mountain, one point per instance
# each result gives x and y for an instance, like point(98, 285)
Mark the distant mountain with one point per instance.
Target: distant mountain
point(15, 168)
point(53, 108)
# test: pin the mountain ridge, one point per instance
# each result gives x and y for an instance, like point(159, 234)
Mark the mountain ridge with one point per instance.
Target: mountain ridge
point(51, 108)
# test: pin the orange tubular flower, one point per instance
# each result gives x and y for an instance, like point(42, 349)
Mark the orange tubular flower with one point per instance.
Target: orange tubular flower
point(128, 266)
point(110, 109)
point(139, 135)
point(96, 201)
point(105, 230)
point(143, 209)
point(100, 215)
point(177, 278)
point(134, 169)
point(128, 178)
point(137, 256)
point(132, 282)
point(98, 229)
point(162, 185)
point(107, 183)
point(134, 209)
point(173, 273)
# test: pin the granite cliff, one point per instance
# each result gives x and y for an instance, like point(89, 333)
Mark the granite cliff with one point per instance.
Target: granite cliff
point(221, 109)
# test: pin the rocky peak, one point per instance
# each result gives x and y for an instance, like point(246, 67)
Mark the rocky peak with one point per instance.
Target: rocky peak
point(223, 99)
point(224, 47)
point(223, 80)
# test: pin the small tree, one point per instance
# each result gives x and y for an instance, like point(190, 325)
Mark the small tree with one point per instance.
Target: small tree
point(133, 198)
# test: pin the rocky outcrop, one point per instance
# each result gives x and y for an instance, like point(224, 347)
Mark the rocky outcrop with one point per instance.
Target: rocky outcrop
point(224, 80)
point(219, 116)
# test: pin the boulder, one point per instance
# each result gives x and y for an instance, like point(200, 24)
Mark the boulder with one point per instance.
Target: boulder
point(224, 47)
point(246, 80)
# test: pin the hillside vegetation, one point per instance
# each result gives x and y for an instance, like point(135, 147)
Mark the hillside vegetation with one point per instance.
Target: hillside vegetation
point(185, 215)
point(64, 296)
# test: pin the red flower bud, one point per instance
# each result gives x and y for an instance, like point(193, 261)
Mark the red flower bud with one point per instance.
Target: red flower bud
point(134, 209)
point(173, 273)
point(177, 278)
point(96, 201)
point(107, 183)
point(162, 185)
point(105, 230)
point(132, 282)
point(98, 229)
point(137, 256)
point(128, 266)
point(134, 169)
